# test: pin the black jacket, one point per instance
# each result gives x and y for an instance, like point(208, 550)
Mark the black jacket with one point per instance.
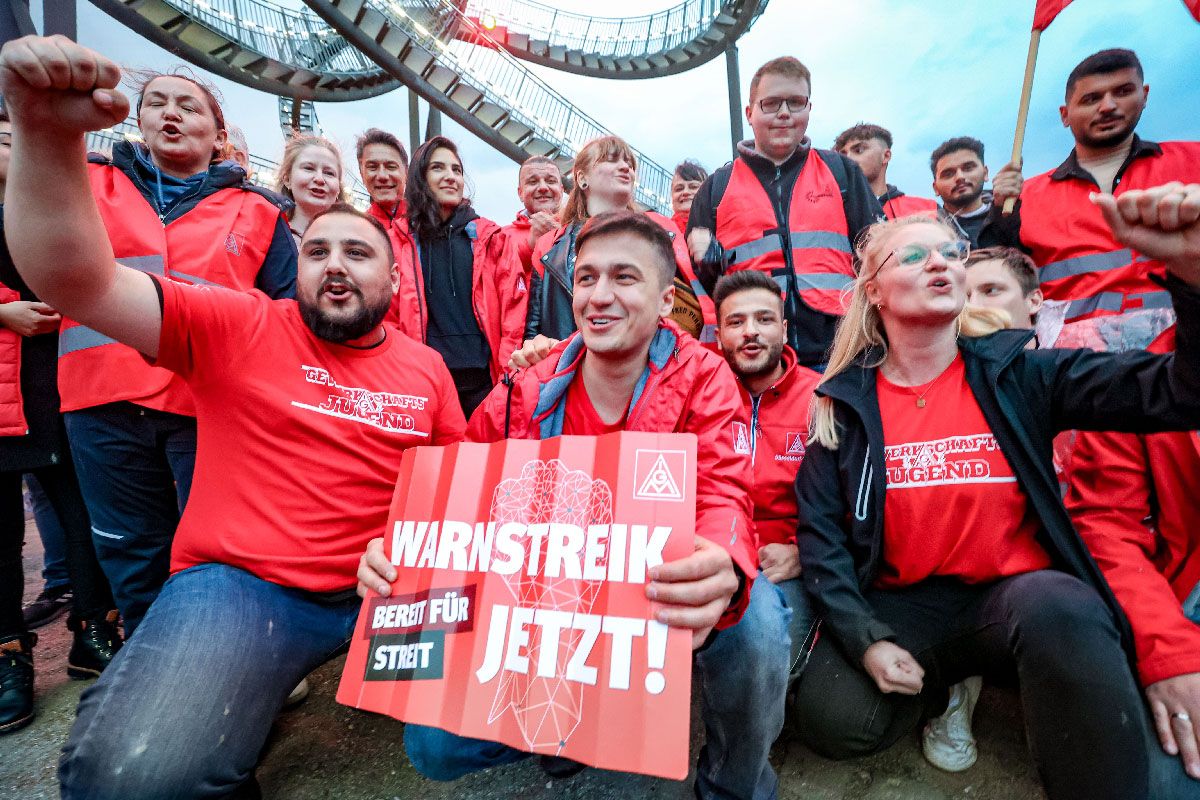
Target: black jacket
point(1026, 396)
point(550, 290)
point(996, 228)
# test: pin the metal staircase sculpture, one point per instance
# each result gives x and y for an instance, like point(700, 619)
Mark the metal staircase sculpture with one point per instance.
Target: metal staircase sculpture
point(650, 46)
point(353, 49)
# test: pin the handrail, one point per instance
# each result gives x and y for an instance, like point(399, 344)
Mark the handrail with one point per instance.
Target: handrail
point(508, 83)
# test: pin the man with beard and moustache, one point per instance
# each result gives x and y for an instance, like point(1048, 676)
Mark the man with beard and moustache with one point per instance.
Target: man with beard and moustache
point(304, 409)
point(959, 176)
point(540, 187)
point(1080, 262)
point(776, 394)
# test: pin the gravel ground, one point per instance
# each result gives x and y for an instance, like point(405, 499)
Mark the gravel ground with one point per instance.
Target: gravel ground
point(324, 750)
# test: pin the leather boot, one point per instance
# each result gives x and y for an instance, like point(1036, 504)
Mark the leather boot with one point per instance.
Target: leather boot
point(16, 681)
point(96, 642)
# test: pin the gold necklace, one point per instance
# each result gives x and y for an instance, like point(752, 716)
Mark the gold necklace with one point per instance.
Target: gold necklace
point(921, 394)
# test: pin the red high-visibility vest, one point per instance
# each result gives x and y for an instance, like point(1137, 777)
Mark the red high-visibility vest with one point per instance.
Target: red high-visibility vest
point(1079, 260)
point(221, 242)
point(817, 233)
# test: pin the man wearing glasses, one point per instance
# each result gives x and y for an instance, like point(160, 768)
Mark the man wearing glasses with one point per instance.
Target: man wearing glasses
point(776, 210)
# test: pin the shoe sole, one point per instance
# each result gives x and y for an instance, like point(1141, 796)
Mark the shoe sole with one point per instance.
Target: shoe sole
point(18, 724)
point(82, 673)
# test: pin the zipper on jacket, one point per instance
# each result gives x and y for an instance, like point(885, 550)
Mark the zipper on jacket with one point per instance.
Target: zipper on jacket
point(864, 488)
point(754, 427)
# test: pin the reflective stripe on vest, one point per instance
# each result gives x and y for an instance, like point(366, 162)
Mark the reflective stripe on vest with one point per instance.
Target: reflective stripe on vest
point(800, 240)
point(1115, 302)
point(1082, 265)
point(79, 337)
point(194, 280)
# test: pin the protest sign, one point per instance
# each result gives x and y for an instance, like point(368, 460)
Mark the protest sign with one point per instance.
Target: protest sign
point(519, 613)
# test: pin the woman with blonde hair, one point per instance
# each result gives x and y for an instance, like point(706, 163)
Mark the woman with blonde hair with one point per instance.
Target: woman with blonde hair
point(605, 177)
point(310, 175)
point(932, 539)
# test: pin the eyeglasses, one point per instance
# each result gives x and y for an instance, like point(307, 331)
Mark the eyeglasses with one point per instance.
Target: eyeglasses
point(917, 255)
point(771, 105)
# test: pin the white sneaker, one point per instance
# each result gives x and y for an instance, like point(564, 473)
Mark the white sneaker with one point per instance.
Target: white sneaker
point(948, 743)
point(297, 695)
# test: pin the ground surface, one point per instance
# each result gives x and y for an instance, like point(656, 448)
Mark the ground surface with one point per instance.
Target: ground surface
point(324, 750)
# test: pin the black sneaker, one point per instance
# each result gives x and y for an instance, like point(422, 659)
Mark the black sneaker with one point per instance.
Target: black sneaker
point(49, 606)
point(96, 642)
point(16, 682)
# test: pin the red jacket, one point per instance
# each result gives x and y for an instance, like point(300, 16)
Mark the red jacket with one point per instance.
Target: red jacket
point(779, 419)
point(392, 224)
point(518, 231)
point(897, 204)
point(1135, 499)
point(499, 291)
point(680, 218)
point(687, 389)
point(1067, 236)
point(12, 404)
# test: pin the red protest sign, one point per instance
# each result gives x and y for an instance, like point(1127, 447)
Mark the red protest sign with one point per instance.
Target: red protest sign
point(520, 615)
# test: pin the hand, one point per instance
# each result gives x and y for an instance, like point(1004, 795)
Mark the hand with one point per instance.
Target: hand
point(693, 592)
point(540, 224)
point(1007, 184)
point(779, 562)
point(1162, 223)
point(29, 319)
point(698, 241)
point(52, 85)
point(375, 571)
point(533, 351)
point(893, 668)
point(1169, 698)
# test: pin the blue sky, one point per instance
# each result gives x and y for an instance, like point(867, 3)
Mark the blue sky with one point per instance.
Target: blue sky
point(925, 69)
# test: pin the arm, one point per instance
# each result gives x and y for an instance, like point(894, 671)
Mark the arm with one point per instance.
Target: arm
point(827, 566)
point(1004, 229)
point(1136, 391)
point(512, 296)
point(708, 257)
point(29, 319)
point(277, 276)
point(1111, 494)
point(55, 91)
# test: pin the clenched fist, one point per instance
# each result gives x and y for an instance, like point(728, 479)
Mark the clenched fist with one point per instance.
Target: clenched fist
point(54, 86)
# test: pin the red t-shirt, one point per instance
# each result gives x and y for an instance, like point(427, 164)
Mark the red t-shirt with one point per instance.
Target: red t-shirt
point(298, 440)
point(953, 505)
point(580, 417)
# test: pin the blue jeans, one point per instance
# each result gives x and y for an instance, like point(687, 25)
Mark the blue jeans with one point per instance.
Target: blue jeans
point(185, 707)
point(54, 538)
point(1168, 781)
point(802, 628)
point(135, 471)
point(741, 677)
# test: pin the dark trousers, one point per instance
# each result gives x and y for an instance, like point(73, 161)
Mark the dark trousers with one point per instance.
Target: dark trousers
point(1047, 631)
point(92, 597)
point(135, 470)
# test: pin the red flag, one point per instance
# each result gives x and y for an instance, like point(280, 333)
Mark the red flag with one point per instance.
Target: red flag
point(1193, 6)
point(1047, 10)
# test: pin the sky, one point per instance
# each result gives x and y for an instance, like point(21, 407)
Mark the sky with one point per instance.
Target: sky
point(925, 69)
